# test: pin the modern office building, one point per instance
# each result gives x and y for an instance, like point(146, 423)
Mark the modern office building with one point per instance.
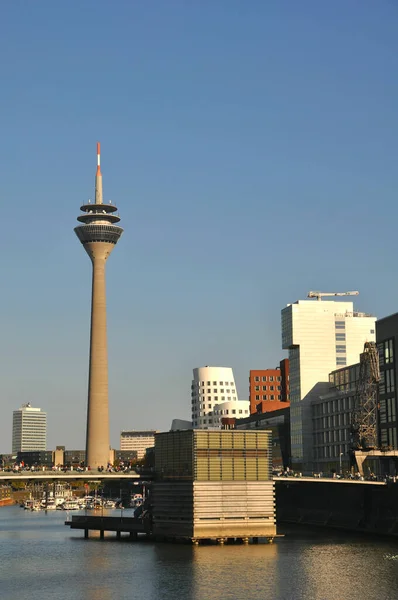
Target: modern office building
point(99, 234)
point(29, 429)
point(320, 337)
point(268, 385)
point(210, 386)
point(138, 441)
point(387, 344)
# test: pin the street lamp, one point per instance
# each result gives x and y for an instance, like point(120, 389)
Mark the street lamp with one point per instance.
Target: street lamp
point(341, 465)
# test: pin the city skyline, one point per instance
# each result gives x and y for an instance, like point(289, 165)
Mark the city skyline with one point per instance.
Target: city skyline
point(253, 149)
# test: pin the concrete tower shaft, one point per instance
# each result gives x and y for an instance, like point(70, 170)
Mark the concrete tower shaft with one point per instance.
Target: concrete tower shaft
point(99, 235)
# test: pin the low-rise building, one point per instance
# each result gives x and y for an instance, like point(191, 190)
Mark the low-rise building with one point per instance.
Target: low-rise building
point(138, 441)
point(213, 485)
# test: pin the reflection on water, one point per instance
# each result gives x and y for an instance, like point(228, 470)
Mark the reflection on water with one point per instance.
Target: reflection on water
point(42, 559)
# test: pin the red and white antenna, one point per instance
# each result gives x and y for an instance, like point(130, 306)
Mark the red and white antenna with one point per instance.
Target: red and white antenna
point(98, 177)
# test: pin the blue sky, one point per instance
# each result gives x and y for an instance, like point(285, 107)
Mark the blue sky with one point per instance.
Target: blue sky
point(251, 148)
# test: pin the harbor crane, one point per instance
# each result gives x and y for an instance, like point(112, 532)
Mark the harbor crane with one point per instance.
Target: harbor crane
point(365, 408)
point(320, 295)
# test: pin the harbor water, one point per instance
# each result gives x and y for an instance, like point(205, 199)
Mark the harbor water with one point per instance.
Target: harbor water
point(41, 558)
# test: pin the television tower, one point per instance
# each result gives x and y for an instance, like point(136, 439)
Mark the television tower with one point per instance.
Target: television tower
point(99, 235)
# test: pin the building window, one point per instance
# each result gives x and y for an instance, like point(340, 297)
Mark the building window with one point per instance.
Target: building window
point(341, 361)
point(215, 398)
point(257, 379)
point(388, 351)
point(340, 337)
point(279, 397)
point(264, 388)
point(389, 377)
point(208, 383)
point(271, 378)
point(264, 397)
point(264, 378)
point(271, 387)
point(279, 387)
point(257, 397)
point(340, 324)
point(257, 388)
point(272, 397)
point(214, 382)
point(341, 348)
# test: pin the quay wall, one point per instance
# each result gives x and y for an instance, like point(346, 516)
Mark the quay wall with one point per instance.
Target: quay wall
point(369, 508)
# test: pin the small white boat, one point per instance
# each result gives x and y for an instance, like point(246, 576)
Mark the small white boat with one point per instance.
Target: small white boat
point(70, 505)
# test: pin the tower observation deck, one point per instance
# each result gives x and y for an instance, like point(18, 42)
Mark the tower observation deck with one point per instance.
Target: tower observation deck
point(99, 234)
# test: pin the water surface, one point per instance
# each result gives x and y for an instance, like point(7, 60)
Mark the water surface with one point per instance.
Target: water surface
point(42, 559)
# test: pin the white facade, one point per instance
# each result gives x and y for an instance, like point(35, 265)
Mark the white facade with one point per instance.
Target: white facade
point(232, 410)
point(321, 336)
point(138, 441)
point(29, 429)
point(210, 386)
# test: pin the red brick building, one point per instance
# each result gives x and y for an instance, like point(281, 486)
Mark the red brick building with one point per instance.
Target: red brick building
point(269, 388)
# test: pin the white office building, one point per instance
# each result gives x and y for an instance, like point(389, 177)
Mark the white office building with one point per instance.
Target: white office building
point(29, 429)
point(230, 410)
point(211, 386)
point(138, 441)
point(321, 336)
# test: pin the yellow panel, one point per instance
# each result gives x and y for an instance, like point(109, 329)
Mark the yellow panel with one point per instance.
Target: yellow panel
point(226, 440)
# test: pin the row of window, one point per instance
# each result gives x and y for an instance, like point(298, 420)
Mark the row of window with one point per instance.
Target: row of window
point(332, 451)
point(332, 421)
point(388, 412)
point(216, 383)
point(387, 381)
point(333, 406)
point(264, 387)
point(269, 378)
point(215, 399)
point(389, 437)
point(327, 437)
point(269, 397)
point(215, 391)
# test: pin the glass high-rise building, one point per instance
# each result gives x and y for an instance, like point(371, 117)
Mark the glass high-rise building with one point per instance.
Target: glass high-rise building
point(29, 429)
